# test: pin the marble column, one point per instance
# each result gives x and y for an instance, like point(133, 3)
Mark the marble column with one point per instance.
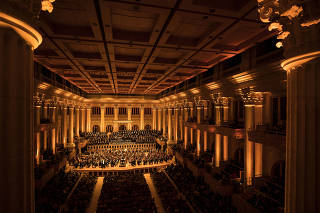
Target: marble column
point(249, 146)
point(102, 113)
point(77, 121)
point(45, 140)
point(142, 117)
point(16, 113)
point(83, 119)
point(130, 117)
point(225, 148)
point(205, 141)
point(198, 147)
point(164, 121)
point(37, 127)
point(169, 125)
point(176, 122)
point(181, 123)
point(154, 118)
point(191, 136)
point(45, 111)
point(65, 128)
point(218, 114)
point(71, 130)
point(185, 118)
point(218, 150)
point(89, 119)
point(159, 119)
point(258, 147)
point(53, 130)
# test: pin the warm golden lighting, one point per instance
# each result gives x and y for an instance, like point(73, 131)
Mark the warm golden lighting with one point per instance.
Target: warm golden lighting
point(213, 85)
point(28, 33)
point(43, 86)
point(46, 5)
point(299, 60)
point(242, 77)
point(182, 94)
point(58, 91)
point(195, 91)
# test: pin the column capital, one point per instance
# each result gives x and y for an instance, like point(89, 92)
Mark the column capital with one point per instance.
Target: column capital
point(251, 97)
point(38, 99)
point(219, 100)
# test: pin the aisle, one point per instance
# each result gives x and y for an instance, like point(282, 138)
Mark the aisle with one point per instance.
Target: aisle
point(154, 194)
point(95, 196)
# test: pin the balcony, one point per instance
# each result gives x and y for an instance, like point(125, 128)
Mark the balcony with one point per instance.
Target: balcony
point(234, 130)
point(265, 135)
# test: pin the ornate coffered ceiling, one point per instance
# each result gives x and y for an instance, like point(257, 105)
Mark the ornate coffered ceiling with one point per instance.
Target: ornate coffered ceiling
point(143, 46)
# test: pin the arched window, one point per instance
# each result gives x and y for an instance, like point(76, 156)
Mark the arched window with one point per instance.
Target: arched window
point(122, 127)
point(96, 128)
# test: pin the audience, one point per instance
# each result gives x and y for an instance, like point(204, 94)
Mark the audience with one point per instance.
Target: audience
point(80, 199)
point(55, 192)
point(171, 200)
point(198, 192)
point(125, 193)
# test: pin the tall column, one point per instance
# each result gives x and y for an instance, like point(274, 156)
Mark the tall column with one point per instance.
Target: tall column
point(45, 111)
point(154, 118)
point(258, 146)
point(198, 131)
point(17, 41)
point(218, 114)
point(169, 124)
point(164, 120)
point(185, 118)
point(71, 133)
point(218, 150)
point(37, 137)
point(77, 120)
point(225, 148)
point(231, 110)
point(116, 118)
point(205, 141)
point(102, 113)
point(45, 140)
point(89, 119)
point(302, 52)
point(249, 145)
point(65, 130)
point(53, 130)
point(142, 117)
point(181, 117)
point(191, 136)
point(159, 119)
point(83, 119)
point(176, 124)
point(225, 113)
point(129, 117)
point(267, 109)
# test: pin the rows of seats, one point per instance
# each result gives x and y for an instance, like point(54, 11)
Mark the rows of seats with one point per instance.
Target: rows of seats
point(81, 196)
point(126, 193)
point(171, 200)
point(198, 192)
point(54, 194)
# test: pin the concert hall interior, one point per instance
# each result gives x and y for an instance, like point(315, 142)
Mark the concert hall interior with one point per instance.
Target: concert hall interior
point(160, 106)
